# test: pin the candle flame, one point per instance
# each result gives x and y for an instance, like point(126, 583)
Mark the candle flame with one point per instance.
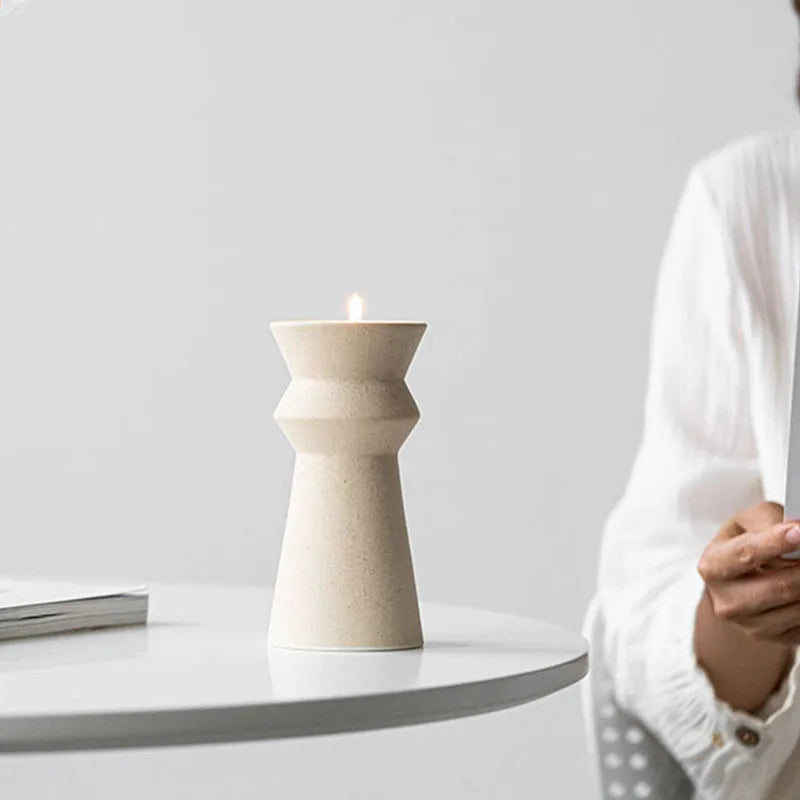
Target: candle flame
point(355, 308)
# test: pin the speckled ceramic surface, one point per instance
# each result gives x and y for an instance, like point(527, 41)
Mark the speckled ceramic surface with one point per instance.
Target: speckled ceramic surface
point(345, 578)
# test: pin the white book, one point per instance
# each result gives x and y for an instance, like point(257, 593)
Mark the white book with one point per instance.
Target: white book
point(33, 607)
point(791, 503)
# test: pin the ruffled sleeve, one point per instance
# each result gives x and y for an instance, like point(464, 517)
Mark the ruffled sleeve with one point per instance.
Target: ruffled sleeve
point(697, 465)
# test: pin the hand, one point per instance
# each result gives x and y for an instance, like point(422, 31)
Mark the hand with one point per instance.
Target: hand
point(747, 582)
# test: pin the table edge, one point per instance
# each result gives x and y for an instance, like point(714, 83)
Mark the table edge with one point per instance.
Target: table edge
point(269, 721)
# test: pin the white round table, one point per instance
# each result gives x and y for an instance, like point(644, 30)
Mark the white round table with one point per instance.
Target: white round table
point(201, 672)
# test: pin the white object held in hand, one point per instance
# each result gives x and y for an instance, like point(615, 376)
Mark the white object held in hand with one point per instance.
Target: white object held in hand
point(791, 506)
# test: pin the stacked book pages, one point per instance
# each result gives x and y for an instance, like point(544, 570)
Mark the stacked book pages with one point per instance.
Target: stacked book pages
point(33, 607)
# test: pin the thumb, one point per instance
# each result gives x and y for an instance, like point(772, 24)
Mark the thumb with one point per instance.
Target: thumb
point(762, 516)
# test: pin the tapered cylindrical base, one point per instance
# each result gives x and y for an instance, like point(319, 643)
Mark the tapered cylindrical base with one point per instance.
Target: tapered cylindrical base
point(346, 579)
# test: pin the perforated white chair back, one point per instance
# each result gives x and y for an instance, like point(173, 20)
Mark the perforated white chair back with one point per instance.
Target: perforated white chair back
point(630, 762)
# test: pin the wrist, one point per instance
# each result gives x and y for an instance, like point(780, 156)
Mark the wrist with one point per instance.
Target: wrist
point(743, 671)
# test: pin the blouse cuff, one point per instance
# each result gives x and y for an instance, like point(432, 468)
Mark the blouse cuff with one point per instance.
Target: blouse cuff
point(727, 752)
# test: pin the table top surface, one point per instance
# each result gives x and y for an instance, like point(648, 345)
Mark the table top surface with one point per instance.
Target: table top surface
point(201, 672)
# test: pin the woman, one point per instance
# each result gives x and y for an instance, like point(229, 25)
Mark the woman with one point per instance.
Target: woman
point(702, 619)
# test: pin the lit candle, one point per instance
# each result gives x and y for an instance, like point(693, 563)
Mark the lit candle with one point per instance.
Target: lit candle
point(345, 578)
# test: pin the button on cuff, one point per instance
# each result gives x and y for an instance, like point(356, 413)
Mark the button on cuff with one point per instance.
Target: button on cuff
point(747, 736)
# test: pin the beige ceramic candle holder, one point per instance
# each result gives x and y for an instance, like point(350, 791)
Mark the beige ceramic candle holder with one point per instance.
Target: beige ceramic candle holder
point(345, 579)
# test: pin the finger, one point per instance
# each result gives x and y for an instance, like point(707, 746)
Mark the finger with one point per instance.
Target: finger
point(771, 625)
point(761, 516)
point(732, 557)
point(791, 636)
point(751, 595)
point(778, 563)
point(730, 529)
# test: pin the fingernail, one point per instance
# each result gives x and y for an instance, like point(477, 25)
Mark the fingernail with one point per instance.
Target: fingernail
point(793, 535)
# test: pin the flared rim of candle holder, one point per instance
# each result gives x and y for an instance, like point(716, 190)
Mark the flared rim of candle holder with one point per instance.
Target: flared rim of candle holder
point(347, 351)
point(298, 323)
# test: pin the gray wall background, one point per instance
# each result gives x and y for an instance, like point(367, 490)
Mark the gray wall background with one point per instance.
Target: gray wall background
point(175, 175)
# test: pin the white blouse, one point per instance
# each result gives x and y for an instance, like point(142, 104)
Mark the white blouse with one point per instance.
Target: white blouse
point(714, 443)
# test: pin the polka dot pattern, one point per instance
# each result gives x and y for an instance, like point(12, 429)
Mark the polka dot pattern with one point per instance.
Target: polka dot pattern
point(612, 760)
point(608, 711)
point(638, 761)
point(633, 763)
point(634, 734)
point(610, 734)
